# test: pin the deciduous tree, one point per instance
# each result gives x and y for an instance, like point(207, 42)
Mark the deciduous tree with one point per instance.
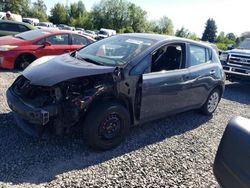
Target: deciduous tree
point(38, 10)
point(183, 32)
point(14, 6)
point(165, 26)
point(59, 14)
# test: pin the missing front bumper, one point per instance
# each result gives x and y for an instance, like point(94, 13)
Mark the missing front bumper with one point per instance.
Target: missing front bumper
point(33, 115)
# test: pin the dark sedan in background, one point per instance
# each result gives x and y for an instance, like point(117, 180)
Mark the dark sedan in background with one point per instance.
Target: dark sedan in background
point(111, 84)
point(13, 28)
point(20, 50)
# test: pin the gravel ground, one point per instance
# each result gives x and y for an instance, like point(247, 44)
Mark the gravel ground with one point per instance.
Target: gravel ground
point(177, 151)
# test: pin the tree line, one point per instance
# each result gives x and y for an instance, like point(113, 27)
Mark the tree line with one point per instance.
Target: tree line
point(121, 15)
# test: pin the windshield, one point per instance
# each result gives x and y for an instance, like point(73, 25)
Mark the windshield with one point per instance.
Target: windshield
point(103, 33)
point(245, 44)
point(43, 24)
point(33, 34)
point(117, 50)
point(90, 32)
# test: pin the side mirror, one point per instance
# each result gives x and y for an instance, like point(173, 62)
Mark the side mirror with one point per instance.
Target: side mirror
point(232, 161)
point(46, 43)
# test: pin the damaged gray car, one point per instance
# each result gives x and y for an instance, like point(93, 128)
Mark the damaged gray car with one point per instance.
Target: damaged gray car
point(114, 83)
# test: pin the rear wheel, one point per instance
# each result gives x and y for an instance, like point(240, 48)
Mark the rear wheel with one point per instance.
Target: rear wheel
point(106, 125)
point(212, 102)
point(24, 60)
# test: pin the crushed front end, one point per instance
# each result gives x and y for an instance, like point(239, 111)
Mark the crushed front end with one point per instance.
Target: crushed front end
point(42, 109)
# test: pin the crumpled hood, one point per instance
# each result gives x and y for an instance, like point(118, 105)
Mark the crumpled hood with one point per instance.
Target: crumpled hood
point(50, 70)
point(241, 51)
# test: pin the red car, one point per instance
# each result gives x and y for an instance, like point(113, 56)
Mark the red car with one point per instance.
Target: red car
point(20, 50)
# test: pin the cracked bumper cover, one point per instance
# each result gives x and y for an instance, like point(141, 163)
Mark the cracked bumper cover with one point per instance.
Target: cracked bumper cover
point(29, 118)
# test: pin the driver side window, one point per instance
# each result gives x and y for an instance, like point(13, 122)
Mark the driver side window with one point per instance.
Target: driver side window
point(169, 57)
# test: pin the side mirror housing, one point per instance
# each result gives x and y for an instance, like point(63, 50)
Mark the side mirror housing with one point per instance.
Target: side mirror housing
point(232, 161)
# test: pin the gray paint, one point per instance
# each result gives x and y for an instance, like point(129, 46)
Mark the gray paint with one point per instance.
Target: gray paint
point(150, 95)
point(61, 68)
point(163, 92)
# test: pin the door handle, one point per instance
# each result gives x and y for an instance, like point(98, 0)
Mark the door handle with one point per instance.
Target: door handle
point(212, 72)
point(66, 51)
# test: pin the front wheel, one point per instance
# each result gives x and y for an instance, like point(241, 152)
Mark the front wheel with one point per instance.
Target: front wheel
point(212, 102)
point(23, 61)
point(106, 125)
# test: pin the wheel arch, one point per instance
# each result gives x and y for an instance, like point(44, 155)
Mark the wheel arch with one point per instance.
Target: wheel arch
point(22, 54)
point(123, 100)
point(220, 88)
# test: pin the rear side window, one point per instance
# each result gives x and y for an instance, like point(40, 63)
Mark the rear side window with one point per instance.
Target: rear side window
point(9, 27)
point(79, 40)
point(198, 55)
point(60, 39)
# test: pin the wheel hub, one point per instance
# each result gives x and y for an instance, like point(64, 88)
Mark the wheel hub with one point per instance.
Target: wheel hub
point(110, 127)
point(213, 102)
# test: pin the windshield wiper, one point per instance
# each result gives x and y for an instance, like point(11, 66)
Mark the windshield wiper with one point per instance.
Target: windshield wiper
point(20, 37)
point(77, 56)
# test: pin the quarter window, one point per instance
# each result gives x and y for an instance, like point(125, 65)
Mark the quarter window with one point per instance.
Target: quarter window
point(142, 66)
point(79, 40)
point(197, 55)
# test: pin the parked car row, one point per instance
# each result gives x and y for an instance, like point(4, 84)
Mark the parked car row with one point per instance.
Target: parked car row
point(20, 50)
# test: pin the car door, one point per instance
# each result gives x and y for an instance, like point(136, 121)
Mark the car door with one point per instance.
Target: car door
point(163, 91)
point(202, 73)
point(58, 44)
point(78, 41)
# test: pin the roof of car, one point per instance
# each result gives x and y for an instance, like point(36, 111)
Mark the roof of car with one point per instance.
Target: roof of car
point(56, 30)
point(16, 22)
point(59, 31)
point(160, 37)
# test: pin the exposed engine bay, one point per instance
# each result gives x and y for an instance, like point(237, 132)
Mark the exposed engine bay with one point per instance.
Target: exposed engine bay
point(64, 104)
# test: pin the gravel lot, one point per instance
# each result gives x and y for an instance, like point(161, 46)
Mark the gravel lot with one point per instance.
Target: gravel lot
point(177, 151)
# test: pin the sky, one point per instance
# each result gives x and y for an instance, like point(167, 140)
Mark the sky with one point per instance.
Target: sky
point(229, 15)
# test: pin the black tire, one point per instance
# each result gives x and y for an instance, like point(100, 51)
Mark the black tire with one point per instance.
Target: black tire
point(214, 95)
point(101, 120)
point(24, 60)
